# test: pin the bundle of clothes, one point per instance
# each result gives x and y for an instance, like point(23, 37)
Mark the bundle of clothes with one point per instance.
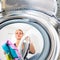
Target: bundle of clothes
point(11, 51)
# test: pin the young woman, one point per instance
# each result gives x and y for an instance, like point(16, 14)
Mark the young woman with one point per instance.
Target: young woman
point(19, 34)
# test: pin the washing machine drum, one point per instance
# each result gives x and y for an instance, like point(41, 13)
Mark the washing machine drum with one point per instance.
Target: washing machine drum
point(50, 7)
point(39, 38)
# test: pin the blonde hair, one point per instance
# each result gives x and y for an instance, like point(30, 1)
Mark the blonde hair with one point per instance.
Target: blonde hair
point(20, 30)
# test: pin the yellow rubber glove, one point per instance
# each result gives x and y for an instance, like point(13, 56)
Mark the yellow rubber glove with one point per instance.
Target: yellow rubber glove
point(8, 57)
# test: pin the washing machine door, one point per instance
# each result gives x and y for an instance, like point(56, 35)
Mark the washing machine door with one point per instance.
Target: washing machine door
point(42, 36)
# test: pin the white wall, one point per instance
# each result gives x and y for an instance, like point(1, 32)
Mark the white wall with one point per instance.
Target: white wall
point(8, 32)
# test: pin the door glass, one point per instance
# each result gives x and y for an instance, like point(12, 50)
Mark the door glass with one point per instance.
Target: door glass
point(13, 33)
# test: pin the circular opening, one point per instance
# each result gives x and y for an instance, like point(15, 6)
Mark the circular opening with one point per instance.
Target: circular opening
point(14, 30)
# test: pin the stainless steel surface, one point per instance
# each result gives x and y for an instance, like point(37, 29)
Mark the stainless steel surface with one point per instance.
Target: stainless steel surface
point(58, 9)
point(49, 6)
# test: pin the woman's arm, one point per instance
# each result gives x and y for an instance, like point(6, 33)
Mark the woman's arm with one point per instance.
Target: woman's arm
point(31, 47)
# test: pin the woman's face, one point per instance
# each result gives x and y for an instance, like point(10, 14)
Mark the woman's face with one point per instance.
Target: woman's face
point(19, 34)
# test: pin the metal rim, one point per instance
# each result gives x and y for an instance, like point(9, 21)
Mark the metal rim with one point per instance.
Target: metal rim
point(50, 18)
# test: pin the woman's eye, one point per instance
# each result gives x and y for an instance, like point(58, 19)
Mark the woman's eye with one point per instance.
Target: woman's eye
point(16, 33)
